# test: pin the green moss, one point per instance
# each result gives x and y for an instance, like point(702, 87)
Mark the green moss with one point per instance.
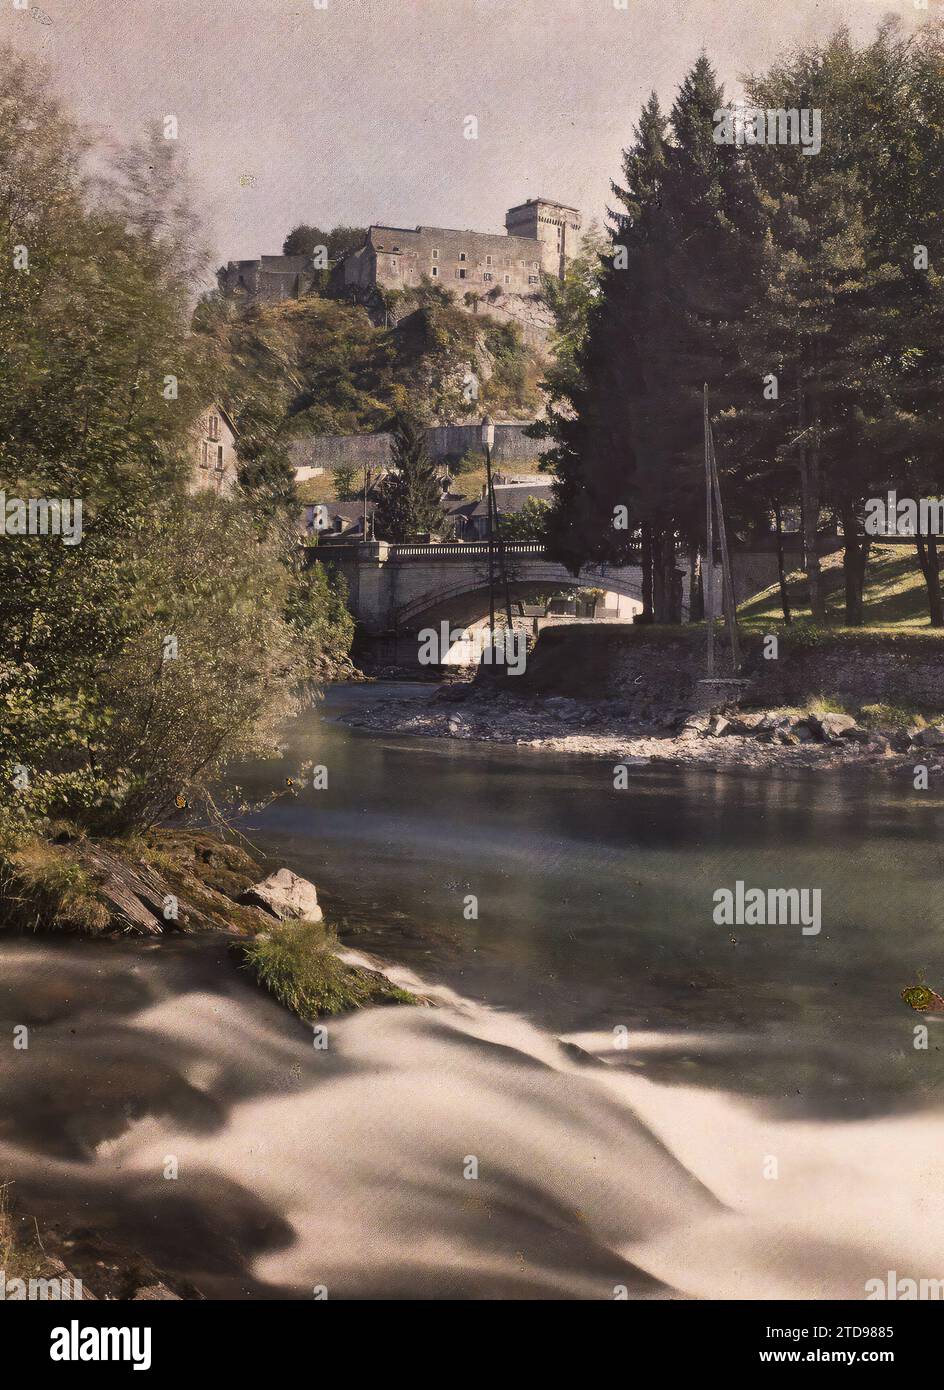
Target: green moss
point(919, 996)
point(296, 962)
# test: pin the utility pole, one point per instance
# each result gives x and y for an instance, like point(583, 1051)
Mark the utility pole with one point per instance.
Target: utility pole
point(709, 573)
point(727, 584)
point(488, 437)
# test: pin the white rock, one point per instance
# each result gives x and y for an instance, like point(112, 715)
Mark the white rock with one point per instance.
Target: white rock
point(285, 895)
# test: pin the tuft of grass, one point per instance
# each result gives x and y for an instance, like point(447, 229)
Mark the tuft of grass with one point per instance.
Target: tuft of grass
point(19, 1258)
point(895, 716)
point(46, 888)
point(297, 963)
point(828, 704)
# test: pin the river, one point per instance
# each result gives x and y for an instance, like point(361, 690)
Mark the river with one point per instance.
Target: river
point(653, 1102)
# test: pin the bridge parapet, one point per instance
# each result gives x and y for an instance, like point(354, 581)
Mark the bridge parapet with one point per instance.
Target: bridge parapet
point(390, 585)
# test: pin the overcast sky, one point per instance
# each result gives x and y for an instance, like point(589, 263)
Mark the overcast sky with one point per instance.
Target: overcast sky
point(355, 112)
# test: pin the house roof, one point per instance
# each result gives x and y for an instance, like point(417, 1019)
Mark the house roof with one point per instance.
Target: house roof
point(513, 497)
point(402, 238)
point(224, 415)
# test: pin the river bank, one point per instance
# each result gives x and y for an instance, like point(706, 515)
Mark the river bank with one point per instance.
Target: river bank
point(816, 739)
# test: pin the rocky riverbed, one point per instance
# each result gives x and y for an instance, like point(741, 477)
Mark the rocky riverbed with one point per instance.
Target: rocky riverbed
point(626, 732)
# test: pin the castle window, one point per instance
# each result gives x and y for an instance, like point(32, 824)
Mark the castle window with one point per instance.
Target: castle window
point(488, 260)
point(533, 279)
point(507, 279)
point(205, 461)
point(435, 254)
point(219, 458)
point(396, 250)
point(487, 275)
point(535, 264)
point(213, 427)
point(462, 256)
point(460, 274)
point(435, 272)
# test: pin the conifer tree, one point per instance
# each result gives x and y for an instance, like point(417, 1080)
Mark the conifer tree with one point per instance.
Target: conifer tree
point(410, 500)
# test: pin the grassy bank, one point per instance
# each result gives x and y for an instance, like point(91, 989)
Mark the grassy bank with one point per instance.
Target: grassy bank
point(895, 596)
point(121, 887)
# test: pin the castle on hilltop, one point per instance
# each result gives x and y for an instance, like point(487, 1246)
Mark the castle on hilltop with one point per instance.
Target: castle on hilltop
point(541, 236)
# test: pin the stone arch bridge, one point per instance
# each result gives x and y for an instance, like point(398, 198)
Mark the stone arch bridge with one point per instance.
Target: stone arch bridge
point(403, 588)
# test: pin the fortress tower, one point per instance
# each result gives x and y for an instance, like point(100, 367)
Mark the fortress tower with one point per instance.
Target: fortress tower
point(554, 225)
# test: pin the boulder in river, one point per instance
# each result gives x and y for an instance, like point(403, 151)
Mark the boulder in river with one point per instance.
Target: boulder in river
point(285, 895)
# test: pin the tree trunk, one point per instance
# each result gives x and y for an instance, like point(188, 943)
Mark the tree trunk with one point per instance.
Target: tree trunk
point(855, 559)
point(646, 616)
point(809, 490)
point(930, 561)
point(781, 570)
point(696, 595)
point(659, 595)
point(666, 580)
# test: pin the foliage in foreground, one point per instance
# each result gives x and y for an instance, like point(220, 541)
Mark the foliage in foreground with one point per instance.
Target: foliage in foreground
point(296, 963)
point(137, 662)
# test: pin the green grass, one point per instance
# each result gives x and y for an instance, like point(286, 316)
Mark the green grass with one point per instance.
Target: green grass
point(43, 887)
point(21, 1255)
point(319, 489)
point(895, 594)
point(296, 962)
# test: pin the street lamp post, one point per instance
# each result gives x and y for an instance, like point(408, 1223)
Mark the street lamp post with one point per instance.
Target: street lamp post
point(488, 439)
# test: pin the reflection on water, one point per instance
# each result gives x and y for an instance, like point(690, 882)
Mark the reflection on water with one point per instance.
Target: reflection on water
point(595, 906)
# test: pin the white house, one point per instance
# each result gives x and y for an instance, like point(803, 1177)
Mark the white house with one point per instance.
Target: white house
point(215, 463)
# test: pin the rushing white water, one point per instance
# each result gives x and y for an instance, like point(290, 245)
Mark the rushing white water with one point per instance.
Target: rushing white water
point(344, 1168)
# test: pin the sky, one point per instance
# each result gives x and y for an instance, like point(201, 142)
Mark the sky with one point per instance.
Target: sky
point(357, 112)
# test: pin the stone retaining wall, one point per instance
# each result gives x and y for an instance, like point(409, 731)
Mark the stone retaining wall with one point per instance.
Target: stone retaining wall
point(622, 662)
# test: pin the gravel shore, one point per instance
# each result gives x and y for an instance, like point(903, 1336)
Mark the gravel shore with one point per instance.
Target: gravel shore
point(619, 730)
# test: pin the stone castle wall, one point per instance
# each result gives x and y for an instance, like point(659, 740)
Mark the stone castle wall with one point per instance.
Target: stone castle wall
point(445, 442)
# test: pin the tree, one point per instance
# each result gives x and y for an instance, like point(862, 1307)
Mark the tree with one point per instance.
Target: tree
point(303, 240)
point(528, 524)
point(683, 262)
point(410, 496)
point(134, 663)
point(347, 482)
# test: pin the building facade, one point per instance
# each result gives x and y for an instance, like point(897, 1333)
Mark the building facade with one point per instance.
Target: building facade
point(215, 464)
point(268, 278)
point(540, 237)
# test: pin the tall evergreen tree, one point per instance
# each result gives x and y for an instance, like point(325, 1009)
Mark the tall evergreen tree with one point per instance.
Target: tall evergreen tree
point(410, 498)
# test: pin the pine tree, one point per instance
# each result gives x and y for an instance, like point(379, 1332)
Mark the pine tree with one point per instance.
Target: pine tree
point(410, 500)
